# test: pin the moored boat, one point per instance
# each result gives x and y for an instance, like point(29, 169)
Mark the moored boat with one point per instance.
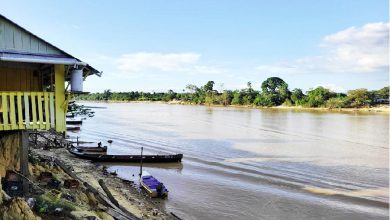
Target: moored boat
point(152, 186)
point(73, 128)
point(170, 158)
point(74, 122)
point(91, 149)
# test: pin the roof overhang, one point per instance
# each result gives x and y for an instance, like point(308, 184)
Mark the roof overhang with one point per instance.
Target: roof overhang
point(11, 56)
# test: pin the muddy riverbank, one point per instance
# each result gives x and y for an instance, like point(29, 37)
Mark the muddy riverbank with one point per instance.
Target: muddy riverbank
point(51, 196)
point(128, 194)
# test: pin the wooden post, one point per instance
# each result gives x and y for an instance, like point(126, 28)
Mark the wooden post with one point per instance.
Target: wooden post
point(140, 168)
point(108, 193)
point(59, 78)
point(24, 159)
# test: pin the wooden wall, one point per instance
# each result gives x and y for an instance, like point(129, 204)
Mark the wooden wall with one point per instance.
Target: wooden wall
point(17, 79)
point(14, 38)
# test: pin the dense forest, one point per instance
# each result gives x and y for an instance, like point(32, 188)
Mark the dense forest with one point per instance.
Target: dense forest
point(273, 92)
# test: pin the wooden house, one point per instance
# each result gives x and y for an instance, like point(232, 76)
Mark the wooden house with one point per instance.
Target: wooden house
point(36, 80)
point(36, 83)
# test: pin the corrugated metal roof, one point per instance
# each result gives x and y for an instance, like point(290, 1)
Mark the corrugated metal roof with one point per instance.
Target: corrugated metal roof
point(36, 58)
point(50, 58)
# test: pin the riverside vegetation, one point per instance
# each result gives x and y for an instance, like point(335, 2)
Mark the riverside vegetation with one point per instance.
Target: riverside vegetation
point(274, 92)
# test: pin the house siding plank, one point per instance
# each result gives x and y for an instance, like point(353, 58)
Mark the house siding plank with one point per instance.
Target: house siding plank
point(12, 112)
point(27, 112)
point(47, 119)
point(20, 110)
point(4, 106)
point(2, 34)
point(26, 41)
point(8, 36)
point(40, 112)
point(34, 45)
point(52, 110)
point(18, 45)
point(34, 110)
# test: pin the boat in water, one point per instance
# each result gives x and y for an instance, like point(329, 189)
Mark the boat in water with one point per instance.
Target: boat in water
point(72, 128)
point(98, 149)
point(152, 186)
point(74, 122)
point(93, 149)
point(97, 157)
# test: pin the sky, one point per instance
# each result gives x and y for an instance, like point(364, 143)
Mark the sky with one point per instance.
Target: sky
point(159, 45)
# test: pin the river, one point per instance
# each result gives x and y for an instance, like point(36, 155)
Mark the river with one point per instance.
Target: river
point(255, 164)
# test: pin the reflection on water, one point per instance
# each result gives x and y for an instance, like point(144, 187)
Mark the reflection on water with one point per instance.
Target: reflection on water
point(255, 164)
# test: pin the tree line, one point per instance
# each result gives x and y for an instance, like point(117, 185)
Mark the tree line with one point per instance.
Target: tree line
point(273, 92)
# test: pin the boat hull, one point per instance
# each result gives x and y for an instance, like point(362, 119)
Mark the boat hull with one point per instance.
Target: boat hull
point(172, 158)
point(152, 186)
point(73, 128)
point(91, 149)
point(152, 193)
point(74, 122)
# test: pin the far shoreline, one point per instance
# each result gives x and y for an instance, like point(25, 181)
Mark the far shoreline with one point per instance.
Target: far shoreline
point(379, 109)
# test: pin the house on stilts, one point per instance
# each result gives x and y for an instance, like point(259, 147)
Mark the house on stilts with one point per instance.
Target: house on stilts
point(36, 83)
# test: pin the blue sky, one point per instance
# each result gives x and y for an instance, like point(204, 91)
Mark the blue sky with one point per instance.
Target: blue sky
point(160, 45)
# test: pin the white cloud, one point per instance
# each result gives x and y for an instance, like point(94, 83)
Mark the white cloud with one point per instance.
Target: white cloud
point(156, 61)
point(332, 87)
point(136, 63)
point(362, 49)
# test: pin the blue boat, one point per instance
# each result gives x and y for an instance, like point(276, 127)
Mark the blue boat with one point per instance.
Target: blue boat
point(152, 186)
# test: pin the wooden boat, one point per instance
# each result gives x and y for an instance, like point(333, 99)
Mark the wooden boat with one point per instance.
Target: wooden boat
point(152, 186)
point(171, 158)
point(79, 142)
point(91, 149)
point(74, 122)
point(73, 128)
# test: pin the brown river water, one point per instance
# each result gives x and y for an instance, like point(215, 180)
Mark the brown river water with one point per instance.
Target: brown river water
point(254, 164)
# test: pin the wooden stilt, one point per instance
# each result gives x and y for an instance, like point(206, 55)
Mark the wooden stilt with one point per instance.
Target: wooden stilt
point(24, 159)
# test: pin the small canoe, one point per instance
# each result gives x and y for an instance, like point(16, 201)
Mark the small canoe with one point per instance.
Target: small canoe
point(91, 149)
point(152, 186)
point(170, 158)
point(74, 122)
point(73, 128)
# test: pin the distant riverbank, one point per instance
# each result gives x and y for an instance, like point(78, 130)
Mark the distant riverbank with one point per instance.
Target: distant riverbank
point(384, 109)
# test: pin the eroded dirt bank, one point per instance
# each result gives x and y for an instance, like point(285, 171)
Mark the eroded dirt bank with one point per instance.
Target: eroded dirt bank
point(47, 201)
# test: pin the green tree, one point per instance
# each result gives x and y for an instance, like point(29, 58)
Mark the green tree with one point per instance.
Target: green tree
point(337, 102)
point(318, 96)
point(192, 88)
point(194, 94)
point(107, 94)
point(169, 96)
point(237, 98)
point(297, 97)
point(209, 86)
point(359, 97)
point(265, 99)
point(210, 99)
point(226, 97)
point(275, 90)
point(383, 93)
point(249, 94)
